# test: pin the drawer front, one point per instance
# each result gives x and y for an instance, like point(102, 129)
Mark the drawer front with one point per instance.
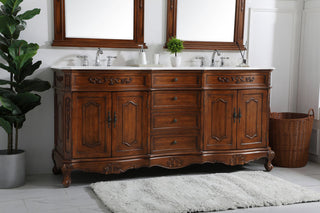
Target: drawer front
point(237, 80)
point(174, 120)
point(174, 143)
point(174, 99)
point(176, 80)
point(103, 81)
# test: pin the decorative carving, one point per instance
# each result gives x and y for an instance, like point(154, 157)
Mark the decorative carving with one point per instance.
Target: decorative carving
point(66, 172)
point(252, 99)
point(219, 139)
point(114, 168)
point(97, 80)
point(110, 81)
point(67, 81)
point(59, 78)
point(251, 137)
point(237, 159)
point(129, 144)
point(174, 162)
point(224, 79)
point(68, 123)
point(236, 79)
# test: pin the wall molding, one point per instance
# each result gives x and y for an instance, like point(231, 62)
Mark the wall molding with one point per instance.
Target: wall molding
point(295, 48)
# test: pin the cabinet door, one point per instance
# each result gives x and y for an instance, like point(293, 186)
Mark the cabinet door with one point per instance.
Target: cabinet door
point(219, 121)
point(91, 134)
point(130, 123)
point(253, 110)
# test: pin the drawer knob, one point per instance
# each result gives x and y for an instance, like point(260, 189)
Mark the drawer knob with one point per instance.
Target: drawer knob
point(174, 142)
point(175, 120)
point(175, 98)
point(175, 79)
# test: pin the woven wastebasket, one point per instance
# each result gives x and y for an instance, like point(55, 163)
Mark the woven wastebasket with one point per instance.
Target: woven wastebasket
point(290, 138)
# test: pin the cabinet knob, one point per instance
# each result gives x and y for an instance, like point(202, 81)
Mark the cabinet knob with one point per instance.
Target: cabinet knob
point(174, 142)
point(175, 120)
point(175, 98)
point(175, 79)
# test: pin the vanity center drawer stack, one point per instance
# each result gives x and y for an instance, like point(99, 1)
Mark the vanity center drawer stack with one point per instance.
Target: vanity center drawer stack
point(175, 112)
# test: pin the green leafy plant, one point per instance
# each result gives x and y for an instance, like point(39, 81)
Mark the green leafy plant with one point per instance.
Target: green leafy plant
point(175, 45)
point(17, 95)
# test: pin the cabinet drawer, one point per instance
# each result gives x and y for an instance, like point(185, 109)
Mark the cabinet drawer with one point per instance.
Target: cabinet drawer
point(174, 143)
point(104, 81)
point(176, 80)
point(237, 80)
point(176, 99)
point(175, 120)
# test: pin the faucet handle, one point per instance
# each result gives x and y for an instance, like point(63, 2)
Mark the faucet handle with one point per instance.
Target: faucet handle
point(222, 60)
point(84, 60)
point(202, 60)
point(109, 60)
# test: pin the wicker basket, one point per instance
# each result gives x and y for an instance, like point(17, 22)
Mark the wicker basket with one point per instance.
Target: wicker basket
point(290, 138)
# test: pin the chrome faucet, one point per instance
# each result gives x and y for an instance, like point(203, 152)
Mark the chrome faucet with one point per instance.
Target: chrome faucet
point(99, 52)
point(215, 52)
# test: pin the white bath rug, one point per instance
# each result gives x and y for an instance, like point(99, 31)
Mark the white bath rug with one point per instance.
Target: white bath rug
point(200, 193)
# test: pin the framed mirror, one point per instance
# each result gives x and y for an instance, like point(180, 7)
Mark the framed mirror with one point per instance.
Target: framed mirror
point(99, 23)
point(207, 24)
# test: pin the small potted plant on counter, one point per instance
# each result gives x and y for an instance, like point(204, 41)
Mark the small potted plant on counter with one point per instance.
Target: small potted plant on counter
point(17, 95)
point(175, 46)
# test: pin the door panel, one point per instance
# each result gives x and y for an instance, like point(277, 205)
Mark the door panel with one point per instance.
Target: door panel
point(130, 123)
point(219, 124)
point(252, 106)
point(92, 137)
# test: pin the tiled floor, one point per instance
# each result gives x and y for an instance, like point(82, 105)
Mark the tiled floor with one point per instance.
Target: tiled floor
point(44, 193)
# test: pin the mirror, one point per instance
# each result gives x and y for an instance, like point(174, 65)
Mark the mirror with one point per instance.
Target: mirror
point(99, 23)
point(207, 24)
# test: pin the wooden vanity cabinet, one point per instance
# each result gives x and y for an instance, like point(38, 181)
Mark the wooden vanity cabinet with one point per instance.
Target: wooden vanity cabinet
point(235, 119)
point(114, 120)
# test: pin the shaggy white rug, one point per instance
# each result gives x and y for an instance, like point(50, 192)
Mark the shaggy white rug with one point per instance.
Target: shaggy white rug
point(200, 193)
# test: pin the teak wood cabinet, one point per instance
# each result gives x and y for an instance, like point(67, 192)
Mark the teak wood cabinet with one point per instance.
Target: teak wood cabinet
point(109, 121)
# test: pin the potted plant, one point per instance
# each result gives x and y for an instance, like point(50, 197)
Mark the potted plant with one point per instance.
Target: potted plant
point(175, 46)
point(17, 95)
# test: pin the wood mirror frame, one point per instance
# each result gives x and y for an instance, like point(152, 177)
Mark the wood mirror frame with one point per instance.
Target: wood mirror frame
point(172, 6)
point(60, 38)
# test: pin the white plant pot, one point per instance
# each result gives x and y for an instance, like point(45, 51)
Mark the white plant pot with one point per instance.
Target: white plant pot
point(13, 169)
point(176, 61)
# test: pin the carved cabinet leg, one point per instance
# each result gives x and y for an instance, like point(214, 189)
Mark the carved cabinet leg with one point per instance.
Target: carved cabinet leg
point(66, 172)
point(268, 165)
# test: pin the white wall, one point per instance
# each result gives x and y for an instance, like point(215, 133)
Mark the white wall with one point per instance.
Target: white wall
point(309, 77)
point(274, 38)
point(275, 45)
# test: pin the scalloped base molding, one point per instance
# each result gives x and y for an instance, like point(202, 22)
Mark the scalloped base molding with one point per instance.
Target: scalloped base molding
point(201, 193)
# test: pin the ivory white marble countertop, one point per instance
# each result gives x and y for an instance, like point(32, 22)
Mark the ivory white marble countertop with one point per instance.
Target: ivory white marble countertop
point(155, 68)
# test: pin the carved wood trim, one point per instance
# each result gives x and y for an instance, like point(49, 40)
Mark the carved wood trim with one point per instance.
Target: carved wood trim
point(116, 168)
point(110, 81)
point(237, 159)
point(236, 79)
point(67, 81)
point(174, 163)
point(68, 123)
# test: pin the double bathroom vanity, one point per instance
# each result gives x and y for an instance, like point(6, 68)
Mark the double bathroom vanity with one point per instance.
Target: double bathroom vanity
point(112, 119)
